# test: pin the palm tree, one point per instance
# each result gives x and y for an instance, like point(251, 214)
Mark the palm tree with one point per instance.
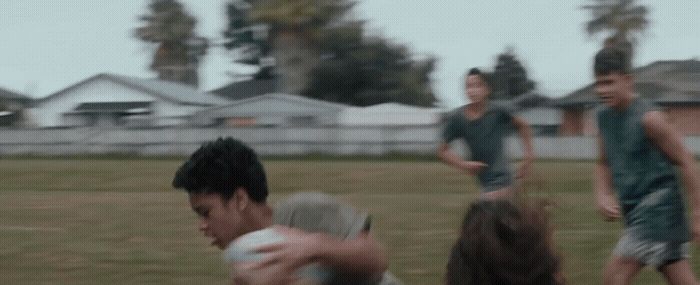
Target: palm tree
point(623, 20)
point(304, 17)
point(295, 28)
point(179, 49)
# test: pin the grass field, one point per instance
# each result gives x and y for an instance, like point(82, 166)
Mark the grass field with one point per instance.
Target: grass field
point(119, 222)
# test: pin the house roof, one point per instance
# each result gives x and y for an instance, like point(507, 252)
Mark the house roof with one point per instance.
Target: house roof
point(167, 90)
point(525, 102)
point(293, 99)
point(260, 106)
point(664, 82)
point(680, 98)
point(392, 107)
point(531, 100)
point(247, 89)
point(14, 96)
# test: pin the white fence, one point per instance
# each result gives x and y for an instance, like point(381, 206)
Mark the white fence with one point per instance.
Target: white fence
point(271, 141)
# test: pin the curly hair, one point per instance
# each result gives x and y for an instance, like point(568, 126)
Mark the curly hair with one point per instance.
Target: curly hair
point(503, 243)
point(222, 166)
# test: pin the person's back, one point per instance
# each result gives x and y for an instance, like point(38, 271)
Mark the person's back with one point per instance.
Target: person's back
point(504, 244)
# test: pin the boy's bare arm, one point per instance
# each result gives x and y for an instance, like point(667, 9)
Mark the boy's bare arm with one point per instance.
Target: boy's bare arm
point(606, 203)
point(362, 255)
point(670, 143)
point(448, 156)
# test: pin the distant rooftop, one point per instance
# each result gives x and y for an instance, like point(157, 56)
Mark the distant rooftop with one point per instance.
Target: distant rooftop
point(172, 91)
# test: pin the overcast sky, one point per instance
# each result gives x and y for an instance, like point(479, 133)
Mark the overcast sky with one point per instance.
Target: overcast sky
point(48, 45)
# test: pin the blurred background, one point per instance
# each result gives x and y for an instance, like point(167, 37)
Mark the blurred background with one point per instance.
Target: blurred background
point(101, 100)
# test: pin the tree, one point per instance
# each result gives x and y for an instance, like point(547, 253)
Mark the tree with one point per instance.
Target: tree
point(281, 36)
point(510, 77)
point(251, 41)
point(318, 51)
point(622, 20)
point(179, 48)
point(305, 18)
point(364, 72)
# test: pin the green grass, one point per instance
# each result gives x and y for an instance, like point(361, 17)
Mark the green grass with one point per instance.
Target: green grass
point(102, 221)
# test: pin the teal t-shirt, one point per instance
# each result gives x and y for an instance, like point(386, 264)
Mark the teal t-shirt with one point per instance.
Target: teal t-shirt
point(485, 138)
point(644, 179)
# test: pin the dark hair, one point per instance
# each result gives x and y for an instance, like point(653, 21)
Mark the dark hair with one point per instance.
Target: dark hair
point(501, 243)
point(221, 167)
point(486, 78)
point(610, 60)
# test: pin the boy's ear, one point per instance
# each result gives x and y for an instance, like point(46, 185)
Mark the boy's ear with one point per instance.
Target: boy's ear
point(240, 199)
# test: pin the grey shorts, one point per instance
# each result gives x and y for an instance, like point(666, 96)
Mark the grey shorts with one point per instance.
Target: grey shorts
point(492, 188)
point(650, 252)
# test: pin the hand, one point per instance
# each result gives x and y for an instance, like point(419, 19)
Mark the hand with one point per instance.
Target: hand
point(608, 207)
point(473, 167)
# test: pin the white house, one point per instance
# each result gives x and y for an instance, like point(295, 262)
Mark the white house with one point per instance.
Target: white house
point(391, 114)
point(113, 100)
point(271, 110)
point(12, 105)
point(543, 117)
point(543, 120)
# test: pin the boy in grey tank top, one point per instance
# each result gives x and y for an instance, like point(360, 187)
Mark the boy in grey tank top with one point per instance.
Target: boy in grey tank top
point(483, 126)
point(639, 151)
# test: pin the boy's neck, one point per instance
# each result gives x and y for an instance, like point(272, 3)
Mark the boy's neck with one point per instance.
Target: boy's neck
point(626, 101)
point(476, 109)
point(262, 214)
